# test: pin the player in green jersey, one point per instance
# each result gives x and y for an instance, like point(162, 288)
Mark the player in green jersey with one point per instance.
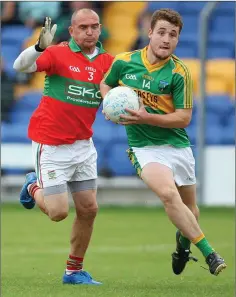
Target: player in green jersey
point(159, 146)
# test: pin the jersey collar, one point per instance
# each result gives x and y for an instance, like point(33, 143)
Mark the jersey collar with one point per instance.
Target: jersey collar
point(76, 48)
point(152, 67)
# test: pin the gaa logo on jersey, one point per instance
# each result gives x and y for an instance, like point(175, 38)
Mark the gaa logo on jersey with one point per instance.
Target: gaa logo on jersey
point(74, 68)
point(162, 85)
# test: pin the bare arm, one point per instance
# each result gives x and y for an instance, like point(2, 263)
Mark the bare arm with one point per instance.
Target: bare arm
point(104, 88)
point(178, 119)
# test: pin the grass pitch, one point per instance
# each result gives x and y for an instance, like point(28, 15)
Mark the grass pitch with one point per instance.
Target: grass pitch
point(130, 253)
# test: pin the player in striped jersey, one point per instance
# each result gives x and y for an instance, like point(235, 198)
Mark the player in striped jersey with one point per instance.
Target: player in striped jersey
point(159, 146)
point(61, 131)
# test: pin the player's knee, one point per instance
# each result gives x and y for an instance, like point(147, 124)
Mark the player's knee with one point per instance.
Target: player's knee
point(168, 196)
point(58, 215)
point(89, 212)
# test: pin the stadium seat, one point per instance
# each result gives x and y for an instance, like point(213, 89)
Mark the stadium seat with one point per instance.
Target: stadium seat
point(21, 32)
point(119, 133)
point(186, 50)
point(192, 132)
point(118, 161)
point(228, 137)
point(152, 6)
point(223, 24)
point(14, 133)
point(191, 24)
point(220, 104)
point(191, 7)
point(216, 86)
point(213, 119)
point(9, 54)
point(28, 102)
point(230, 120)
point(103, 129)
point(221, 68)
point(20, 117)
point(214, 135)
point(101, 149)
point(225, 7)
point(219, 51)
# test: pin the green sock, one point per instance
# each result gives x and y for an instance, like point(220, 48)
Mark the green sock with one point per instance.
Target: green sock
point(204, 247)
point(185, 242)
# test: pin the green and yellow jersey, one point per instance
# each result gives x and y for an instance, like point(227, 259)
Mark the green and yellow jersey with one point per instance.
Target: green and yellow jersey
point(163, 87)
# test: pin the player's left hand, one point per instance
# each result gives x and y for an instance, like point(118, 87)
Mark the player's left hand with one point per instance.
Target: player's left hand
point(136, 116)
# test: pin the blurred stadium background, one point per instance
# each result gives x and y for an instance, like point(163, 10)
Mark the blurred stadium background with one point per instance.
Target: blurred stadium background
point(131, 246)
point(125, 25)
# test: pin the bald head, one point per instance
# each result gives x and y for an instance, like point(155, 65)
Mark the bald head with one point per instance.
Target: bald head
point(85, 29)
point(83, 12)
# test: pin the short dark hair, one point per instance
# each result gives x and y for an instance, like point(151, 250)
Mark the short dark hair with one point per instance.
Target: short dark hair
point(168, 15)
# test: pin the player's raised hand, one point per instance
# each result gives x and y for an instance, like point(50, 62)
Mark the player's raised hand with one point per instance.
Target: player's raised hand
point(136, 116)
point(46, 35)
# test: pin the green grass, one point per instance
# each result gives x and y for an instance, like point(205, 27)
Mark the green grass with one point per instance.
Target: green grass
point(130, 252)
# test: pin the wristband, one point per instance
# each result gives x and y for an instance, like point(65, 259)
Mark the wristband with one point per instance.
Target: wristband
point(37, 48)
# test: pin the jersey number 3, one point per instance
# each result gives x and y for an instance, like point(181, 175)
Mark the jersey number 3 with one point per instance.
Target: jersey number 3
point(90, 76)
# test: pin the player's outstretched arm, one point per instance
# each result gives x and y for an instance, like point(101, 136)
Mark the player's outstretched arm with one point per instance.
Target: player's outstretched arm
point(26, 61)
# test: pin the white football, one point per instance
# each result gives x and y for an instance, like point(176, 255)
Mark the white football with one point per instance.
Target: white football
point(117, 99)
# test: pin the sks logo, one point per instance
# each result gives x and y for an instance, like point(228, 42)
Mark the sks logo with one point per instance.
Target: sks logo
point(74, 68)
point(82, 91)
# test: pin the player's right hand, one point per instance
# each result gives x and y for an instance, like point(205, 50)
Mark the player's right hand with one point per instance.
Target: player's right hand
point(106, 117)
point(46, 35)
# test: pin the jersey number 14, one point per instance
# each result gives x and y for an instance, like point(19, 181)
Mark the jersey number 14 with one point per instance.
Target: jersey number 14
point(146, 84)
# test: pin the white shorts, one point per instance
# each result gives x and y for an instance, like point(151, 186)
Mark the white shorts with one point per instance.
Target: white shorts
point(59, 164)
point(179, 160)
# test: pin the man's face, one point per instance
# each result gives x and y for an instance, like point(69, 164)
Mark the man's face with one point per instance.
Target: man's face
point(85, 29)
point(163, 39)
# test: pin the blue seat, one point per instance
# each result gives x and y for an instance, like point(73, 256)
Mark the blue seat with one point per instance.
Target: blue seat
point(219, 50)
point(119, 134)
point(192, 133)
point(222, 24)
point(152, 6)
point(20, 117)
point(215, 38)
point(101, 149)
point(214, 135)
point(225, 7)
point(20, 34)
point(191, 24)
point(191, 6)
point(9, 54)
point(228, 137)
point(28, 102)
point(13, 133)
point(213, 119)
point(221, 104)
point(186, 50)
point(118, 161)
point(16, 171)
point(230, 120)
point(103, 129)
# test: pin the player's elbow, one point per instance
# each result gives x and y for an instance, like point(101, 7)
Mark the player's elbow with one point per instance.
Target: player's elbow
point(17, 66)
point(185, 122)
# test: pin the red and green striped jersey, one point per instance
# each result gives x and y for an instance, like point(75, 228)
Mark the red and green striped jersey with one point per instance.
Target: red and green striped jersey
point(164, 87)
point(71, 95)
